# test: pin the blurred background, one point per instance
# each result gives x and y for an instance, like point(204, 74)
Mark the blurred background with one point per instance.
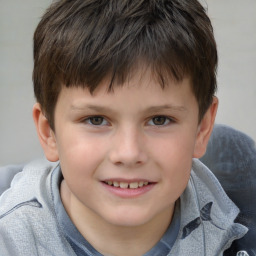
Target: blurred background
point(234, 23)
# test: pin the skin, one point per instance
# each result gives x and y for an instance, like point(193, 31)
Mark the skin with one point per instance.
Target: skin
point(137, 132)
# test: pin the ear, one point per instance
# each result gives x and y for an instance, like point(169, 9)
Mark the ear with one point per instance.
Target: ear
point(45, 134)
point(205, 129)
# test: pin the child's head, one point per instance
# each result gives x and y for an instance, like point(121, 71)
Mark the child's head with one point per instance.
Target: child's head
point(82, 42)
point(125, 151)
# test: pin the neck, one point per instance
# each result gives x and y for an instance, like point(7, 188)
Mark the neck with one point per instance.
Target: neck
point(125, 241)
point(113, 240)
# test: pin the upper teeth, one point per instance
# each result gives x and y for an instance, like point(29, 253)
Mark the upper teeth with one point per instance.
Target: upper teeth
point(127, 185)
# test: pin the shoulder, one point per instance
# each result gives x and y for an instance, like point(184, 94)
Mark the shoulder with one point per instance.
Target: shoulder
point(27, 214)
point(207, 215)
point(206, 188)
point(6, 175)
point(231, 156)
point(29, 191)
point(31, 181)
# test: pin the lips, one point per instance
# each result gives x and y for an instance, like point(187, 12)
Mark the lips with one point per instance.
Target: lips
point(127, 185)
point(128, 189)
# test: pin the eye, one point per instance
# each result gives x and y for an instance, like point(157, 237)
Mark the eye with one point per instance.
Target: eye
point(160, 121)
point(96, 121)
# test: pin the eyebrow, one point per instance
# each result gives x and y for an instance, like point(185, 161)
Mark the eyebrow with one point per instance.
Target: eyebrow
point(150, 109)
point(166, 107)
point(95, 108)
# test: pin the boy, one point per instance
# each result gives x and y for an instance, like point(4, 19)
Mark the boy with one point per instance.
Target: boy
point(125, 101)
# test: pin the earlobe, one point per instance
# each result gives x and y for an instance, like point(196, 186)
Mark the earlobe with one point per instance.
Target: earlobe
point(205, 129)
point(45, 134)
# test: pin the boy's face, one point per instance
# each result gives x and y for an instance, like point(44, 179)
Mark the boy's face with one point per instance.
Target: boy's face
point(140, 135)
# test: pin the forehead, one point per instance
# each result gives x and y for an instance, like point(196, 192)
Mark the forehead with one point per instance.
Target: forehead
point(139, 72)
point(141, 76)
point(142, 90)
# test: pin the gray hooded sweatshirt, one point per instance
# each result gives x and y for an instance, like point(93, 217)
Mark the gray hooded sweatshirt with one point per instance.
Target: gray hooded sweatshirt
point(29, 226)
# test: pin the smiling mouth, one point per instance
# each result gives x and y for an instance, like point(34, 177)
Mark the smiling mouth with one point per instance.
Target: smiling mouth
point(126, 185)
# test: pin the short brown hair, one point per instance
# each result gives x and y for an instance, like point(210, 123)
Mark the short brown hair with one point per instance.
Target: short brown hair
point(81, 42)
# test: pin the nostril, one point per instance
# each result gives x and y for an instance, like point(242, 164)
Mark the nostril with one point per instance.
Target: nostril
point(120, 163)
point(127, 157)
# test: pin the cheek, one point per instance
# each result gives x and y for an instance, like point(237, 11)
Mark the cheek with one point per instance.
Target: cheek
point(174, 157)
point(81, 155)
point(175, 150)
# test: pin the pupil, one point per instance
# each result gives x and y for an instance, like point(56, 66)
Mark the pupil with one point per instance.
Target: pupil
point(160, 120)
point(96, 120)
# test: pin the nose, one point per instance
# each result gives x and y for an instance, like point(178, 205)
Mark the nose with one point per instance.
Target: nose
point(128, 148)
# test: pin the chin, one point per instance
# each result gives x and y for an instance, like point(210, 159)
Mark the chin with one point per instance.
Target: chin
point(129, 219)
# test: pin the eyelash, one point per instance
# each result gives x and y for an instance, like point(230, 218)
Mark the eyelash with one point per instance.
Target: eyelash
point(166, 121)
point(89, 121)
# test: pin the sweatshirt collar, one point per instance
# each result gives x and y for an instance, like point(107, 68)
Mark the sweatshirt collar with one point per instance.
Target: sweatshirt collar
point(208, 215)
